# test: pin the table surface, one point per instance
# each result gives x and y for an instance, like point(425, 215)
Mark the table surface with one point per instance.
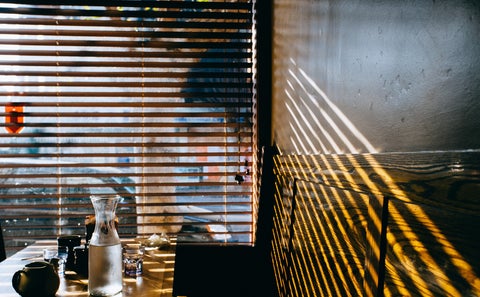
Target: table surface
point(156, 280)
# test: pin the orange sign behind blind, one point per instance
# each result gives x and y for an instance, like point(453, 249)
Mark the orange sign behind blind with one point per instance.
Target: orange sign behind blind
point(13, 117)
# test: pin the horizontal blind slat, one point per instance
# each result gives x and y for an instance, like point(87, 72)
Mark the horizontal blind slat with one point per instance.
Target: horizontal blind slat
point(57, 33)
point(192, 24)
point(152, 53)
point(208, 15)
point(96, 74)
point(126, 64)
point(134, 104)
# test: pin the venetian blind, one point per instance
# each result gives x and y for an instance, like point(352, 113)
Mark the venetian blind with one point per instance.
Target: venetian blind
point(150, 100)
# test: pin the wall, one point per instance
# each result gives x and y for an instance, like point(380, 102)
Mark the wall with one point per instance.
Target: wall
point(402, 74)
point(375, 110)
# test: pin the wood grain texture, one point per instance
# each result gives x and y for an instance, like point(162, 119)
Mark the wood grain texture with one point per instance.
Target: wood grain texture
point(432, 251)
point(329, 241)
point(440, 179)
point(429, 227)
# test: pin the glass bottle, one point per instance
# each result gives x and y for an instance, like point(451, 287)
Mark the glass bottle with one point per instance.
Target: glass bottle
point(105, 249)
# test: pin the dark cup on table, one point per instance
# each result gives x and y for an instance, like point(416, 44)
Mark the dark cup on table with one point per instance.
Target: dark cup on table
point(71, 241)
point(36, 279)
point(81, 260)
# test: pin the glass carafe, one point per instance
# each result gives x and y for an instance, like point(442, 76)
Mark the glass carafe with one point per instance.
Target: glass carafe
point(105, 249)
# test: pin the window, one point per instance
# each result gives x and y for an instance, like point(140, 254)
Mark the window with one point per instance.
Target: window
point(151, 100)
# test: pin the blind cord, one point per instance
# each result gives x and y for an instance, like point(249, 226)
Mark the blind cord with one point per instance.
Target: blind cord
point(58, 128)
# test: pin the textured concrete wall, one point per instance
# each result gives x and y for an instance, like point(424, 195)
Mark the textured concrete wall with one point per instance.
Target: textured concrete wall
point(376, 76)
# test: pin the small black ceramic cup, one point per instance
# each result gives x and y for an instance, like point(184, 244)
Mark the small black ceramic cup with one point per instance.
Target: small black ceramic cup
point(81, 260)
point(71, 241)
point(36, 279)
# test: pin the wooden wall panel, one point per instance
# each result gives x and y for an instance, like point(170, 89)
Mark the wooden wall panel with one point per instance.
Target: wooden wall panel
point(432, 251)
point(328, 241)
point(283, 197)
point(403, 224)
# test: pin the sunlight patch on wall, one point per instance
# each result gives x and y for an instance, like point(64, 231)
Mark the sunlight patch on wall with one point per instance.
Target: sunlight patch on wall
point(319, 125)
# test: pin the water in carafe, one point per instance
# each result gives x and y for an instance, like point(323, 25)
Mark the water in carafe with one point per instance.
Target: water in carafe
point(105, 271)
point(105, 250)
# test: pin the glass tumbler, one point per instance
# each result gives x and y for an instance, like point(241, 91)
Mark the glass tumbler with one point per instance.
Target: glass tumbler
point(62, 255)
point(133, 260)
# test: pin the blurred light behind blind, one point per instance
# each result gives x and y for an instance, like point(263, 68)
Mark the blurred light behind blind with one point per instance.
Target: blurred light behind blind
point(148, 99)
